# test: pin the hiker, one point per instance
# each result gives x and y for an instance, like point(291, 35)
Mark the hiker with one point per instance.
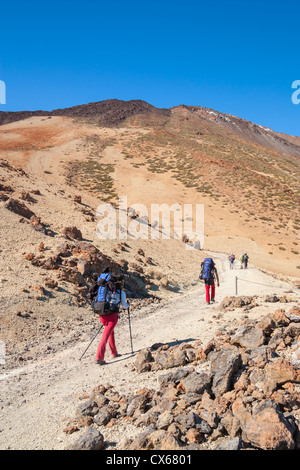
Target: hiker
point(209, 274)
point(231, 258)
point(110, 320)
point(241, 259)
point(245, 260)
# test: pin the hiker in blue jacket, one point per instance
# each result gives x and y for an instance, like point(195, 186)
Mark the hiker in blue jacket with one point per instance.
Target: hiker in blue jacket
point(209, 274)
point(110, 320)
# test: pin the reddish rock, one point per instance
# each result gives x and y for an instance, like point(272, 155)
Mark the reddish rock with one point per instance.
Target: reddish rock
point(51, 283)
point(267, 429)
point(71, 275)
point(27, 197)
point(83, 266)
point(280, 372)
point(3, 197)
point(248, 336)
point(73, 232)
point(280, 318)
point(6, 188)
point(294, 314)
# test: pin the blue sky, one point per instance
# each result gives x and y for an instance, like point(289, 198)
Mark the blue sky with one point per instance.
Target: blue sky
point(236, 57)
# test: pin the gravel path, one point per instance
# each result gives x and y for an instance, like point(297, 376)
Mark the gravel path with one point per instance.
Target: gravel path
point(40, 399)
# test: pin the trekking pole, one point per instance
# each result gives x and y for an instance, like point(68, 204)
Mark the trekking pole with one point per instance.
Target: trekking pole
point(130, 331)
point(91, 342)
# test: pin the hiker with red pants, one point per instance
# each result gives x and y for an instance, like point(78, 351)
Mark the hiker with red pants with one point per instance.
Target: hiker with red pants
point(109, 320)
point(209, 274)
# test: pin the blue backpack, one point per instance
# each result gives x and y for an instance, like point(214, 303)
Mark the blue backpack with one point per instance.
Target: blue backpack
point(104, 286)
point(207, 267)
point(105, 301)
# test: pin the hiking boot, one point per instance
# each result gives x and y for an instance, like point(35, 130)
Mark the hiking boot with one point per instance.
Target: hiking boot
point(212, 300)
point(208, 303)
point(100, 363)
point(117, 355)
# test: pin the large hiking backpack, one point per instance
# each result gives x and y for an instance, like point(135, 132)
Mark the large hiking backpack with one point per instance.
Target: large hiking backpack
point(206, 269)
point(105, 301)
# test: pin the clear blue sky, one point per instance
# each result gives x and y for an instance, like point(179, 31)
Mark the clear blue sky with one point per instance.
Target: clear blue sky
point(238, 57)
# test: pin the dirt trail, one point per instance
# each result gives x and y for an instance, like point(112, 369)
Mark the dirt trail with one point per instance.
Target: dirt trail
point(39, 400)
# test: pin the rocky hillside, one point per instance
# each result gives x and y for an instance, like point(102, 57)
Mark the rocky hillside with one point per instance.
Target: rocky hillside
point(246, 175)
point(104, 113)
point(50, 254)
point(239, 391)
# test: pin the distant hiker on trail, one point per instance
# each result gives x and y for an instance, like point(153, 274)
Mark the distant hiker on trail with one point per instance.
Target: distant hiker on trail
point(110, 296)
point(245, 260)
point(231, 258)
point(241, 259)
point(209, 273)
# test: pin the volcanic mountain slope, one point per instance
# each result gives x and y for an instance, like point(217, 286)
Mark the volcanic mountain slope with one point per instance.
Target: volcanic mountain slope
point(186, 155)
point(57, 167)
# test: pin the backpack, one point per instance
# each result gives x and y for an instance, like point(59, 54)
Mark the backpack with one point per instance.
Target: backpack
point(206, 269)
point(104, 292)
point(93, 291)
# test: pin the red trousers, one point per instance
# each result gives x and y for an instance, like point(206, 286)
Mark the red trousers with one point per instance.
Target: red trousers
point(207, 287)
point(109, 322)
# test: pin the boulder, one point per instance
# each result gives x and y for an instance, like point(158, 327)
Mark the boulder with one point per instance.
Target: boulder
point(162, 440)
point(27, 197)
point(164, 282)
point(194, 385)
point(83, 266)
point(138, 402)
point(19, 208)
point(279, 372)
point(173, 358)
point(248, 336)
point(294, 314)
point(266, 428)
point(143, 360)
point(174, 377)
point(224, 364)
point(229, 303)
point(234, 443)
point(280, 318)
point(72, 232)
point(104, 415)
point(71, 275)
point(87, 408)
point(91, 440)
